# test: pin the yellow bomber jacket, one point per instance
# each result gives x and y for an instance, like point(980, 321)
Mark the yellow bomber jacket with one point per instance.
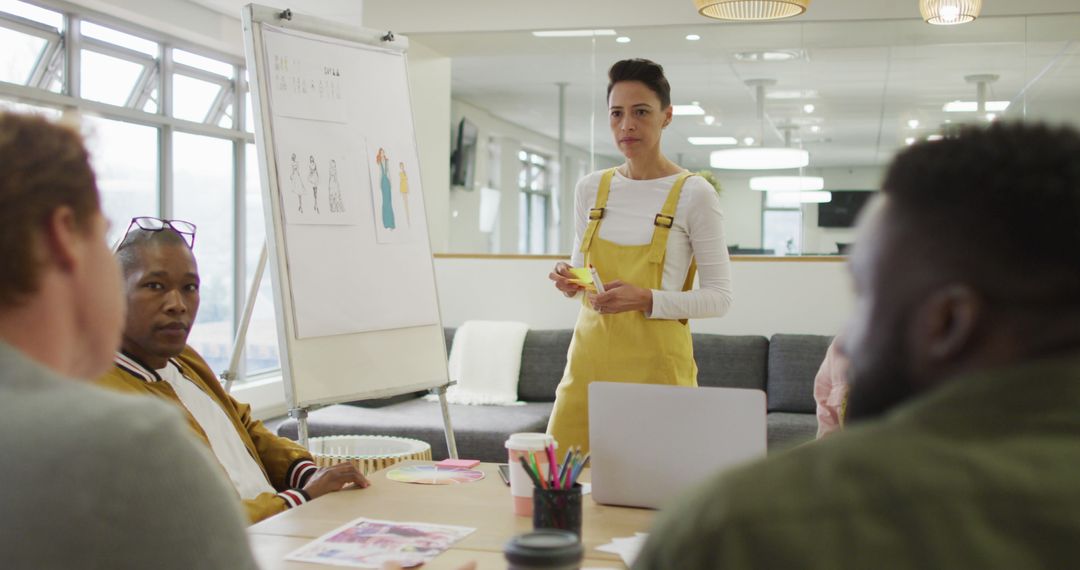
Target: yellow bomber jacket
point(286, 464)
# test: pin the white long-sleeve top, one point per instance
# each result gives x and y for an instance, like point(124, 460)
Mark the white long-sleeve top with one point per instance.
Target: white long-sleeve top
point(697, 232)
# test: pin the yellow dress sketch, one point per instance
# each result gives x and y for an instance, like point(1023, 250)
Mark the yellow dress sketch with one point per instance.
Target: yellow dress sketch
point(405, 193)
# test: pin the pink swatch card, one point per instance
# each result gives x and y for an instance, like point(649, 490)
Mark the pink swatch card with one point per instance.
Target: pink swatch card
point(463, 463)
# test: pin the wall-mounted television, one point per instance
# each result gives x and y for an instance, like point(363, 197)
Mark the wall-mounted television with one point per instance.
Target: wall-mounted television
point(463, 155)
point(841, 211)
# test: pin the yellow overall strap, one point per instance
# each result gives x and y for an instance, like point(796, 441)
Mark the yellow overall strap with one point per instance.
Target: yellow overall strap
point(665, 219)
point(597, 212)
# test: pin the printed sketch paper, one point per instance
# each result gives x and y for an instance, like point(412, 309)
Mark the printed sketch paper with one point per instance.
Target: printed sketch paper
point(321, 172)
point(354, 264)
point(368, 543)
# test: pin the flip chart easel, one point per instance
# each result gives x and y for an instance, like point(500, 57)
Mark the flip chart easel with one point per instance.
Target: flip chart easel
point(347, 243)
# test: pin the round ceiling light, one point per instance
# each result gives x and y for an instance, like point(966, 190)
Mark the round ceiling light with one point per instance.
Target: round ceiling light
point(759, 158)
point(802, 198)
point(787, 183)
point(949, 12)
point(769, 55)
point(751, 10)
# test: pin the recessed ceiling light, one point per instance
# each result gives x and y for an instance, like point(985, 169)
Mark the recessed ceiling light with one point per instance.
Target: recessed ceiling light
point(909, 141)
point(933, 138)
point(990, 117)
point(691, 109)
point(572, 33)
point(815, 129)
point(709, 119)
point(748, 141)
point(770, 55)
point(693, 37)
point(972, 106)
point(622, 39)
point(808, 108)
point(707, 141)
point(913, 123)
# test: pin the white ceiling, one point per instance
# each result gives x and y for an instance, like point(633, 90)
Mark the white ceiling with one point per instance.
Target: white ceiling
point(870, 78)
point(872, 63)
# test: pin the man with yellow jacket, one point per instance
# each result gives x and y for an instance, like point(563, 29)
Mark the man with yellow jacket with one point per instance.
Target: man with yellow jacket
point(161, 282)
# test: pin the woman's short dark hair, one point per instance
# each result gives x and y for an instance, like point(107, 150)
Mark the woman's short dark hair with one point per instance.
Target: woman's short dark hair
point(648, 72)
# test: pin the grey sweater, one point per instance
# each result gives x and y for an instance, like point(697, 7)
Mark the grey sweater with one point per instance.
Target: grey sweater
point(95, 479)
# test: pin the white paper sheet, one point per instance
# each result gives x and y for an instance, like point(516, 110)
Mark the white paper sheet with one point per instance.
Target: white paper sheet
point(354, 265)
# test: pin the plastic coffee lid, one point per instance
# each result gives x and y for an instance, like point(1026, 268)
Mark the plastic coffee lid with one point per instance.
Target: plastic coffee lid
point(529, 441)
point(545, 547)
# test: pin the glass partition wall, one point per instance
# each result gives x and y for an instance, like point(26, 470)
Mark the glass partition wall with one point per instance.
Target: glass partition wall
point(851, 93)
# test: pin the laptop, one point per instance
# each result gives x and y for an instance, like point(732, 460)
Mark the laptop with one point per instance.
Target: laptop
point(651, 442)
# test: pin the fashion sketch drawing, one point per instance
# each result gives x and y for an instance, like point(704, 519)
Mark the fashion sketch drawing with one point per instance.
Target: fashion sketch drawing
point(334, 188)
point(297, 184)
point(313, 179)
point(384, 185)
point(404, 188)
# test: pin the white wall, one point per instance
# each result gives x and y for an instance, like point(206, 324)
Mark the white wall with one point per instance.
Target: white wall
point(465, 234)
point(771, 296)
point(742, 206)
point(429, 84)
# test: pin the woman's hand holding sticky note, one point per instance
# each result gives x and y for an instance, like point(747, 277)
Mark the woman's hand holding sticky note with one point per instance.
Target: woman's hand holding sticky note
point(583, 277)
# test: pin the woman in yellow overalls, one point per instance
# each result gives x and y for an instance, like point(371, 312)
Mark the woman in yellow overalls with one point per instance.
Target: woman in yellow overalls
point(641, 226)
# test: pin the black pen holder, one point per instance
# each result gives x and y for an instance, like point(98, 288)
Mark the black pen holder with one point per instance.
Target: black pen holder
point(558, 508)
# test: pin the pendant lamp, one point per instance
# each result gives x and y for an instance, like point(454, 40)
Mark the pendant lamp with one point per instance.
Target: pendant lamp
point(751, 10)
point(949, 12)
point(787, 183)
point(759, 157)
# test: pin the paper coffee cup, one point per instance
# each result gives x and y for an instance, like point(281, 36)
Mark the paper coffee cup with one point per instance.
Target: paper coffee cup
point(521, 485)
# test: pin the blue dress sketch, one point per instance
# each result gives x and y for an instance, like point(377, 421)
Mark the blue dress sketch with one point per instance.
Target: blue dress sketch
point(384, 183)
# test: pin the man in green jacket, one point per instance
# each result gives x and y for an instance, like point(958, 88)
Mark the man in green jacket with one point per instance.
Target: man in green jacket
point(964, 410)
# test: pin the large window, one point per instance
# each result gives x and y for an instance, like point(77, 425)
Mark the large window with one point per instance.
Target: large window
point(164, 122)
point(534, 203)
point(781, 223)
point(125, 159)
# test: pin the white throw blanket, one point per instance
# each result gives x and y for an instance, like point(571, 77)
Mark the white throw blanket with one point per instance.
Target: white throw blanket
point(485, 359)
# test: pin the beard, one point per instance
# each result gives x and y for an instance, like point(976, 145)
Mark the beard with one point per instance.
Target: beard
point(880, 382)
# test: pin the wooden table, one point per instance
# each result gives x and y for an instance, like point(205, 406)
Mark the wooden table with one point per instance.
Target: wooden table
point(484, 505)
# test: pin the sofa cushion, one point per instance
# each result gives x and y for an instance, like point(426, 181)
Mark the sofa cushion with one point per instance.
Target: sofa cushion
point(480, 431)
point(794, 360)
point(731, 361)
point(543, 360)
point(787, 430)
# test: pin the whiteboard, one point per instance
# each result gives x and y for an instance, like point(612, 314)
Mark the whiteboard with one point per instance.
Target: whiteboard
point(350, 258)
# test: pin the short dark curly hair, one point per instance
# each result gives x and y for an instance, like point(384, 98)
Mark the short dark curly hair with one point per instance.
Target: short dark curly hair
point(648, 72)
point(997, 207)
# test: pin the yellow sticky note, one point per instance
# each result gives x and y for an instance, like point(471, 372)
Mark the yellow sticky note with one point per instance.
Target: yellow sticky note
point(581, 275)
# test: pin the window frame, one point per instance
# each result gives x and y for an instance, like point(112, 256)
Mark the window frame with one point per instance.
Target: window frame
point(66, 48)
point(765, 209)
point(528, 163)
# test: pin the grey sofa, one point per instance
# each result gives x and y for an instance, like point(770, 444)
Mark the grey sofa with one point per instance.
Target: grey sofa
point(784, 366)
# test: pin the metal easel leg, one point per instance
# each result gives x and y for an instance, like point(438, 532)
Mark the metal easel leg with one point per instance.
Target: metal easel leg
point(451, 443)
point(300, 415)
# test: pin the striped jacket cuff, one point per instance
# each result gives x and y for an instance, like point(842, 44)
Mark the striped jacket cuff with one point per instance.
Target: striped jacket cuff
point(294, 497)
point(300, 472)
